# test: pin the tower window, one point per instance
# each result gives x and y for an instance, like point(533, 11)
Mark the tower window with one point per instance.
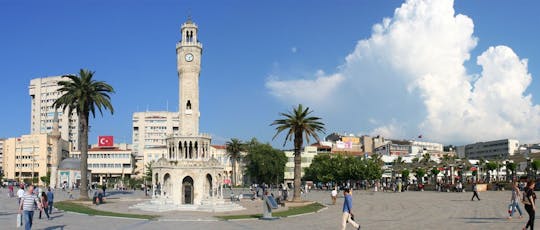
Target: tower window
point(188, 105)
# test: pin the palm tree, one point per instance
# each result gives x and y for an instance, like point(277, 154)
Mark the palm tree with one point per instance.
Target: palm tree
point(234, 149)
point(84, 95)
point(299, 124)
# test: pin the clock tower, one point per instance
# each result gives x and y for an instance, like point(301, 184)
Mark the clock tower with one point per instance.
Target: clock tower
point(188, 54)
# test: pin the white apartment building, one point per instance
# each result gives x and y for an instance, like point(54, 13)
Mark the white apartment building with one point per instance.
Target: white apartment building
point(43, 93)
point(1, 154)
point(150, 131)
point(219, 152)
point(108, 162)
point(499, 149)
point(307, 157)
point(421, 147)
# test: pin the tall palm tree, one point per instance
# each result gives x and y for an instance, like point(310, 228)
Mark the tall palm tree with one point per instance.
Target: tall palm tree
point(234, 149)
point(299, 125)
point(84, 95)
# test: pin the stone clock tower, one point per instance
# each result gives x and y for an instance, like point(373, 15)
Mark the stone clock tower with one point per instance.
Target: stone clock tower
point(188, 54)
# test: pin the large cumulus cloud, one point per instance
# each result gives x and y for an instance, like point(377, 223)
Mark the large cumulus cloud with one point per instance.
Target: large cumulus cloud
point(409, 78)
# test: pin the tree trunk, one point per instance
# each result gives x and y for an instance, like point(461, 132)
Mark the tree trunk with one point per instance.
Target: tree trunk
point(84, 156)
point(297, 166)
point(234, 172)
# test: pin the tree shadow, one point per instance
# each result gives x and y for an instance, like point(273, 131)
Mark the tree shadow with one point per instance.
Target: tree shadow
point(61, 227)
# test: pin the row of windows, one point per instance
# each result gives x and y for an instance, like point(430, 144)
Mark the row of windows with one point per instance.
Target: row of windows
point(108, 165)
point(50, 93)
point(104, 156)
point(36, 165)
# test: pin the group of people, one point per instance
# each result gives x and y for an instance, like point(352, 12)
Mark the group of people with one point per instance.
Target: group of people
point(33, 199)
point(528, 198)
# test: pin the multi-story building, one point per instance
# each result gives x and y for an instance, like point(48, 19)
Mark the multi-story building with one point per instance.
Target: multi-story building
point(105, 162)
point(1, 155)
point(394, 148)
point(150, 132)
point(32, 156)
point(419, 148)
point(43, 93)
point(309, 152)
point(219, 152)
point(499, 149)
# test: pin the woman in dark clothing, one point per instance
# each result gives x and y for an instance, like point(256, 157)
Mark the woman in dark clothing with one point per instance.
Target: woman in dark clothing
point(529, 200)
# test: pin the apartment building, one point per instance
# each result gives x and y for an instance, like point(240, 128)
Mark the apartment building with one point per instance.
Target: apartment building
point(43, 93)
point(150, 132)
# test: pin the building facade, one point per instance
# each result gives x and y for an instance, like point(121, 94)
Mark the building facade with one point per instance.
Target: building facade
point(43, 93)
point(33, 156)
point(1, 155)
point(498, 149)
point(308, 153)
point(108, 162)
point(150, 132)
point(219, 152)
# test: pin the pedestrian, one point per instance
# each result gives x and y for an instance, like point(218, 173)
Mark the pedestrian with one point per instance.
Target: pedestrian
point(20, 193)
point(10, 188)
point(475, 192)
point(44, 205)
point(334, 195)
point(529, 199)
point(347, 216)
point(514, 201)
point(50, 200)
point(27, 206)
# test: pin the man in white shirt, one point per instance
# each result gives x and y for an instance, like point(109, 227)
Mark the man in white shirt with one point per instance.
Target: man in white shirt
point(20, 192)
point(334, 196)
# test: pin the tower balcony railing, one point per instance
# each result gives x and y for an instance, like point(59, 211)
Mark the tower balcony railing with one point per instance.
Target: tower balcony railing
point(199, 135)
point(185, 43)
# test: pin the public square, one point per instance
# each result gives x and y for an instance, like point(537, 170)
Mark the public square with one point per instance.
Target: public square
point(407, 210)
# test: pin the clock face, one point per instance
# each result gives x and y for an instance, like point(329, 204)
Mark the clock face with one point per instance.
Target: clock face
point(189, 57)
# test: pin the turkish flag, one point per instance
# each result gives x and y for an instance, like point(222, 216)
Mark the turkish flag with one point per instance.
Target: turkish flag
point(105, 141)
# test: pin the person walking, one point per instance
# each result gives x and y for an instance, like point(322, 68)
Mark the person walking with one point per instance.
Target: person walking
point(475, 192)
point(334, 196)
point(347, 216)
point(20, 192)
point(27, 207)
point(529, 199)
point(50, 200)
point(514, 201)
point(44, 205)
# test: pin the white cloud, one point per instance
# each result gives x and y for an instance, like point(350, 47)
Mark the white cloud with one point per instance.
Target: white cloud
point(294, 49)
point(302, 90)
point(410, 78)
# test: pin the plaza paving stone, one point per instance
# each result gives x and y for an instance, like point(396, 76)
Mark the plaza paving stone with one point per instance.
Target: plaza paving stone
point(408, 210)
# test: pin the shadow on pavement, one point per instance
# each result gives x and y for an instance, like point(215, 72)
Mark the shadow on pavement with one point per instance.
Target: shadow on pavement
point(55, 227)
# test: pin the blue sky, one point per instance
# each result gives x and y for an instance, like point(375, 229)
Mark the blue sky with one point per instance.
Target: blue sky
point(247, 46)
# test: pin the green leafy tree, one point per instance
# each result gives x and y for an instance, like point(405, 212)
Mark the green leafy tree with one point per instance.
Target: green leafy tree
point(490, 167)
point(420, 172)
point(234, 151)
point(535, 165)
point(265, 164)
point(511, 166)
point(434, 172)
point(148, 174)
point(84, 95)
point(405, 174)
point(299, 126)
point(46, 179)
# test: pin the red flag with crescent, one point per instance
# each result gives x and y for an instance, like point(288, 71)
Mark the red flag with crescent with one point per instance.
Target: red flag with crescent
point(105, 141)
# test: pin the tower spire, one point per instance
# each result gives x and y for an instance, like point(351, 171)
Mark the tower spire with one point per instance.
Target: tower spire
point(189, 18)
point(56, 125)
